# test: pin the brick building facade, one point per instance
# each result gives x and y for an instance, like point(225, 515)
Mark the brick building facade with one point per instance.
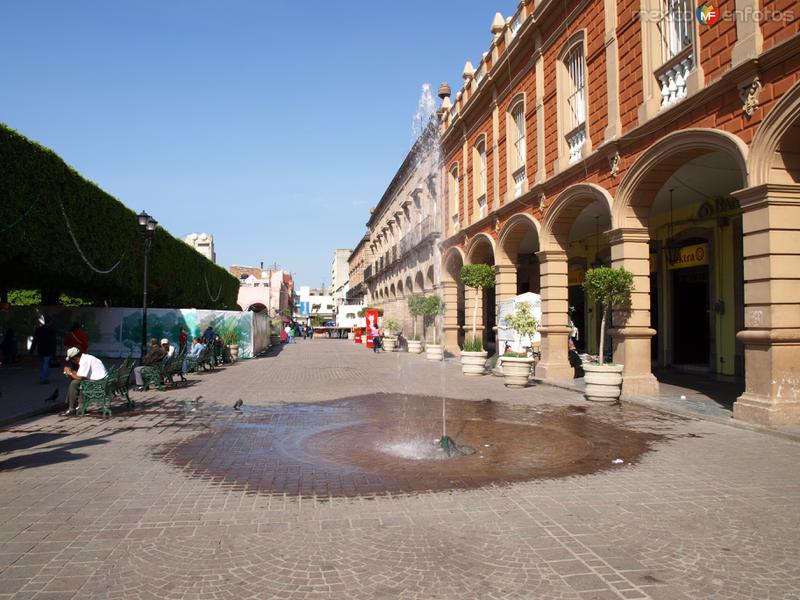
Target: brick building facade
point(628, 133)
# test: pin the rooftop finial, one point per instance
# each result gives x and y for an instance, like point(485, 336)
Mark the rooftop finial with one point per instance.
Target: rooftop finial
point(444, 90)
point(497, 23)
point(469, 71)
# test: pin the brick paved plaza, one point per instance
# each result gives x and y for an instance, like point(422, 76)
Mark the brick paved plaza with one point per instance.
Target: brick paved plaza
point(94, 508)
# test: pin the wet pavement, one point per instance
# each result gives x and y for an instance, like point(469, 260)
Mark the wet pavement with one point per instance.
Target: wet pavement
point(387, 444)
point(171, 501)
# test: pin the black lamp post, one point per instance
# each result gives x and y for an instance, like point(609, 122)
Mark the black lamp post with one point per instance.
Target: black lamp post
point(147, 227)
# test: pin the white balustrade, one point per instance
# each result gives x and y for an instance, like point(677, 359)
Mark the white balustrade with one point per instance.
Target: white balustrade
point(673, 82)
point(576, 141)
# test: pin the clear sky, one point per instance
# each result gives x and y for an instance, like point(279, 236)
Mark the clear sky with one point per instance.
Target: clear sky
point(273, 125)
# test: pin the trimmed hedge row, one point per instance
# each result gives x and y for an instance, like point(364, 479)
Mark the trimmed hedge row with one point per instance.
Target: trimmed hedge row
point(36, 250)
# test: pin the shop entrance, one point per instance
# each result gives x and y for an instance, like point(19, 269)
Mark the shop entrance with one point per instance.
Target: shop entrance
point(690, 311)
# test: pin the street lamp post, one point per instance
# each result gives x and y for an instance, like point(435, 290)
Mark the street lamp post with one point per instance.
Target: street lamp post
point(147, 227)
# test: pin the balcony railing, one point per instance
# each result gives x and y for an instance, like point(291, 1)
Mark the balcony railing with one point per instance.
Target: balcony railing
point(421, 232)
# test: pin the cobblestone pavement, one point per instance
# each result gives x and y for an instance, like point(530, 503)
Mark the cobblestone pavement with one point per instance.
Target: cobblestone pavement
point(89, 509)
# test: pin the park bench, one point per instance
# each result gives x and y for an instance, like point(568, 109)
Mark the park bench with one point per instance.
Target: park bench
point(163, 372)
point(120, 385)
point(205, 358)
point(175, 367)
point(97, 392)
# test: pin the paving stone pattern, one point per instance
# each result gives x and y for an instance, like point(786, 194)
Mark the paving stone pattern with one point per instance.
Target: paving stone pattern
point(88, 508)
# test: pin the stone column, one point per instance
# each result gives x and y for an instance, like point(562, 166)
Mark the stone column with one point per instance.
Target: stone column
point(450, 297)
point(771, 338)
point(555, 316)
point(506, 282)
point(630, 249)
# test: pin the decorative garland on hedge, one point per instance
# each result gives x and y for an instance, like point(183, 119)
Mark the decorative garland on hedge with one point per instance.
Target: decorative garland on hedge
point(208, 291)
point(78, 248)
point(23, 216)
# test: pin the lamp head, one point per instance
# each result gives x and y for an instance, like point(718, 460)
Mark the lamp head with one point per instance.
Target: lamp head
point(142, 218)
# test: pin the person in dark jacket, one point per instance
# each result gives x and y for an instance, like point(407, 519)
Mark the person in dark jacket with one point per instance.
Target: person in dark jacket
point(154, 356)
point(44, 339)
point(9, 347)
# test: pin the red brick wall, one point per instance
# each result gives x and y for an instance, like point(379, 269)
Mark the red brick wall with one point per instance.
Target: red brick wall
point(777, 30)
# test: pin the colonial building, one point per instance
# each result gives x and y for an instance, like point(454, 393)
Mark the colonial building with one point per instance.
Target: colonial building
point(264, 289)
point(359, 267)
point(402, 232)
point(637, 135)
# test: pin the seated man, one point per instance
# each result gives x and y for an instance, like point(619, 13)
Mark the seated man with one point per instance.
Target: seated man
point(88, 367)
point(154, 356)
point(167, 347)
point(197, 348)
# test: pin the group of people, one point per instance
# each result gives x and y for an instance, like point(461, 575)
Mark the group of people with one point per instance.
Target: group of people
point(79, 365)
point(296, 330)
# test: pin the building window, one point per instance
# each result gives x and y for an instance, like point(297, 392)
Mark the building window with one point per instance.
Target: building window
point(676, 32)
point(576, 102)
point(516, 136)
point(516, 23)
point(453, 186)
point(479, 176)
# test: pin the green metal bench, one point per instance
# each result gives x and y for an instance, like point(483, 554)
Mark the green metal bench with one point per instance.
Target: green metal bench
point(175, 367)
point(153, 375)
point(205, 358)
point(97, 392)
point(120, 385)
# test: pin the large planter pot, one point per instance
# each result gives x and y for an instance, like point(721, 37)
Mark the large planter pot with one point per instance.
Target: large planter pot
point(434, 352)
point(473, 363)
point(389, 343)
point(234, 348)
point(414, 346)
point(603, 382)
point(516, 371)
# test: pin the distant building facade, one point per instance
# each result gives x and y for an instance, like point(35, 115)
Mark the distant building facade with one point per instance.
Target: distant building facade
point(340, 274)
point(314, 303)
point(359, 266)
point(203, 243)
point(264, 289)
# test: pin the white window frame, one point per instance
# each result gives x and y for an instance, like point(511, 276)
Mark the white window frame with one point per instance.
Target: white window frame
point(454, 199)
point(516, 148)
point(479, 175)
point(573, 102)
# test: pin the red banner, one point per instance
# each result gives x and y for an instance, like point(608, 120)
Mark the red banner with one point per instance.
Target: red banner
point(372, 324)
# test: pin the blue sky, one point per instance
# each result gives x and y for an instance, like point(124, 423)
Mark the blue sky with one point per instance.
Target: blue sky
point(273, 125)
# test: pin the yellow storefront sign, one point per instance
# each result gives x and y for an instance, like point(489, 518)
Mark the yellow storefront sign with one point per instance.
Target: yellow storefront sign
point(690, 256)
point(576, 277)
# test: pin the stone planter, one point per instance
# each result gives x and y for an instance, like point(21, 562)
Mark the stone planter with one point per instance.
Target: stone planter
point(516, 371)
point(414, 346)
point(389, 343)
point(473, 363)
point(351, 335)
point(234, 348)
point(434, 352)
point(603, 382)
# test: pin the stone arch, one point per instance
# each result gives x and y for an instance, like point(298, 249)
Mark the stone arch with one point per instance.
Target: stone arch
point(419, 282)
point(257, 307)
point(562, 213)
point(430, 282)
point(510, 237)
point(766, 162)
point(409, 285)
point(644, 178)
point(393, 291)
point(400, 287)
point(479, 249)
point(452, 261)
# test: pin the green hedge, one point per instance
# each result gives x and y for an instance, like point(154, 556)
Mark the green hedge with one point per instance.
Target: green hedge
point(36, 250)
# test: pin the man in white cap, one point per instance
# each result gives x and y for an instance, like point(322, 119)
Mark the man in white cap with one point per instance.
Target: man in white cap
point(168, 348)
point(88, 367)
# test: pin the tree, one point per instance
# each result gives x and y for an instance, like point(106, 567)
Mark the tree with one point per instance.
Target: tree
point(432, 307)
point(609, 287)
point(416, 304)
point(522, 321)
point(477, 277)
point(391, 326)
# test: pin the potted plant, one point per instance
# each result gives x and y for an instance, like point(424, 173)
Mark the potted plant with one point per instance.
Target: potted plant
point(230, 336)
point(516, 363)
point(275, 327)
point(473, 356)
point(610, 288)
point(416, 303)
point(390, 341)
point(432, 307)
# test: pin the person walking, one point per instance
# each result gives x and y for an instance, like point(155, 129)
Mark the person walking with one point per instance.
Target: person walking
point(80, 366)
point(310, 332)
point(375, 333)
point(183, 339)
point(290, 333)
point(44, 339)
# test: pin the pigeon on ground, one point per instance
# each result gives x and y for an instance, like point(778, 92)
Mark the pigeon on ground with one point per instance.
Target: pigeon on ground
point(52, 397)
point(238, 405)
point(191, 405)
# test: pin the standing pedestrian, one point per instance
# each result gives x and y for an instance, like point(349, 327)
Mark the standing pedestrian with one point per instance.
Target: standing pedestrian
point(291, 334)
point(183, 338)
point(44, 339)
point(375, 333)
point(77, 338)
point(310, 332)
